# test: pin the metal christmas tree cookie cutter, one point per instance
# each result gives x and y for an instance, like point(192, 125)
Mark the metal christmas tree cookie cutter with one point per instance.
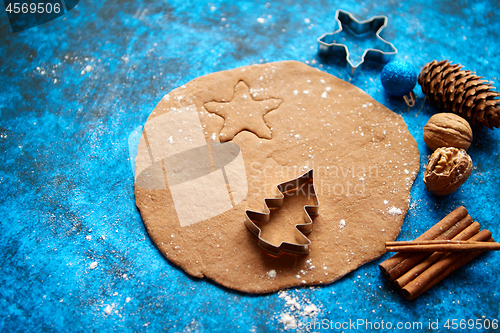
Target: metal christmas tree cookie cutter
point(302, 245)
point(328, 47)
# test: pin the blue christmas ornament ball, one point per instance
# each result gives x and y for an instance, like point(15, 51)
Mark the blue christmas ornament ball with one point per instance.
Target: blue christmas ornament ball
point(398, 77)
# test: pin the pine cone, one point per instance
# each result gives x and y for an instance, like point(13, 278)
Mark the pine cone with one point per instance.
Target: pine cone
point(462, 92)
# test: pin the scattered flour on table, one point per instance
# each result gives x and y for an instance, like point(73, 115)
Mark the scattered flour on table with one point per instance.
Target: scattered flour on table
point(108, 309)
point(297, 312)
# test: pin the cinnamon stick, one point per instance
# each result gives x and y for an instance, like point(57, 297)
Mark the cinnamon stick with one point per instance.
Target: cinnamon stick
point(466, 234)
point(447, 228)
point(442, 246)
point(446, 223)
point(430, 242)
point(441, 269)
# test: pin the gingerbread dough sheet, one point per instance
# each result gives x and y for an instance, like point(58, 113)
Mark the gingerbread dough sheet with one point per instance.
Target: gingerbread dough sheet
point(220, 144)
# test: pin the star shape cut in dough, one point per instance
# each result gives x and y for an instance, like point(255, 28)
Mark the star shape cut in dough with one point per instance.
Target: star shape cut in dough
point(242, 113)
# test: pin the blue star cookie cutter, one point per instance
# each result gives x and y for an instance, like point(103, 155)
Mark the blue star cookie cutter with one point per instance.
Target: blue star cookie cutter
point(383, 53)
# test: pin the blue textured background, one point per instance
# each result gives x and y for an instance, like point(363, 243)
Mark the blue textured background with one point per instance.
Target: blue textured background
point(72, 92)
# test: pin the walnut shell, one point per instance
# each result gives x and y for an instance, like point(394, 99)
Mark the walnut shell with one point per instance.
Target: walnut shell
point(447, 130)
point(447, 169)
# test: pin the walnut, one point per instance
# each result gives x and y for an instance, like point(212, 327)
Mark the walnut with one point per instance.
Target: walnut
point(448, 168)
point(447, 130)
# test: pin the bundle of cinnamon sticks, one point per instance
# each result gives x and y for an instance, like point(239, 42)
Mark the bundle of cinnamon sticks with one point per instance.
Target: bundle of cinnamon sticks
point(417, 271)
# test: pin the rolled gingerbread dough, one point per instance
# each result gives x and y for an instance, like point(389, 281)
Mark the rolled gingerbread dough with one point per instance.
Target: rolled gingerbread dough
point(221, 143)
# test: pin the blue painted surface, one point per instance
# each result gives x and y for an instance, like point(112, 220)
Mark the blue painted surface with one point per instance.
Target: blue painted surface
point(72, 95)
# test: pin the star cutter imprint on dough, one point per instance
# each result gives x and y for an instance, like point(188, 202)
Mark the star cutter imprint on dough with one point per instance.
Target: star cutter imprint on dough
point(327, 46)
point(243, 112)
point(302, 245)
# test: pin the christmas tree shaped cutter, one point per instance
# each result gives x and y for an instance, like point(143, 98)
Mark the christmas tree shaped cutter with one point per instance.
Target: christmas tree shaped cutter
point(303, 183)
